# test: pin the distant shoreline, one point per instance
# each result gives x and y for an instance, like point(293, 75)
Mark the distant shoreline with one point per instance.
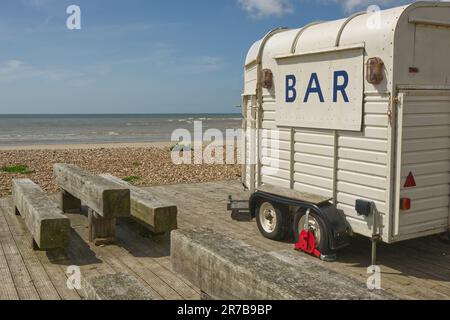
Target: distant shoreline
point(81, 146)
point(63, 115)
point(93, 146)
point(50, 132)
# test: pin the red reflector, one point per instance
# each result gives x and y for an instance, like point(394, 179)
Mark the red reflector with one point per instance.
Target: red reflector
point(405, 204)
point(410, 181)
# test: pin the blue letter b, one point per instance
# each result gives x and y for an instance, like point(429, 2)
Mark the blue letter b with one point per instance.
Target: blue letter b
point(291, 92)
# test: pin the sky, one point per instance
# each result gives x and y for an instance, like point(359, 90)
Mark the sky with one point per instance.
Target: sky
point(140, 56)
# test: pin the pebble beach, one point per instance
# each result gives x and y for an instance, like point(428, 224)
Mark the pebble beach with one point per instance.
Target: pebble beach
point(142, 165)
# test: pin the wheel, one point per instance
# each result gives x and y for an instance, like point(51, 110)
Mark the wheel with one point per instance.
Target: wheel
point(272, 220)
point(318, 227)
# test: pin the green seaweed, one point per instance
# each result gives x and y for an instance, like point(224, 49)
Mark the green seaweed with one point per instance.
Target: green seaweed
point(19, 168)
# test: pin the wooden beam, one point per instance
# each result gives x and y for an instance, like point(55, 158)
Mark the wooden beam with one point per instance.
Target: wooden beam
point(106, 198)
point(102, 231)
point(156, 214)
point(45, 221)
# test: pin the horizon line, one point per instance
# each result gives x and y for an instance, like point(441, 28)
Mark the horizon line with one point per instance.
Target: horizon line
point(106, 114)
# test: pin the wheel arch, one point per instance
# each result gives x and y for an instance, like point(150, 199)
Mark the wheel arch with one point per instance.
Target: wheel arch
point(334, 218)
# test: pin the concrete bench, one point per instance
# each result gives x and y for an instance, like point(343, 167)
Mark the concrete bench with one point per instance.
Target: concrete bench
point(106, 200)
point(47, 224)
point(153, 213)
point(225, 268)
point(119, 286)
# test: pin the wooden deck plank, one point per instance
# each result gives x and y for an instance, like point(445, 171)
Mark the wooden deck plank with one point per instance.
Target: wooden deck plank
point(149, 258)
point(156, 283)
point(23, 241)
point(59, 278)
point(22, 280)
point(112, 258)
point(7, 288)
point(416, 269)
point(80, 254)
point(41, 265)
point(37, 272)
point(120, 267)
point(413, 281)
point(157, 248)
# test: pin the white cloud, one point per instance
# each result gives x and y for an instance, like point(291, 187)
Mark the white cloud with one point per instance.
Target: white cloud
point(264, 8)
point(15, 70)
point(350, 6)
point(354, 5)
point(10, 66)
point(204, 64)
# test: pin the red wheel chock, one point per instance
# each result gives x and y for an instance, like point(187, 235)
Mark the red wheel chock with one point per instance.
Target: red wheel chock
point(307, 244)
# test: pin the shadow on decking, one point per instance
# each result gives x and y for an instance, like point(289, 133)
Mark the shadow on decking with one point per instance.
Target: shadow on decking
point(78, 253)
point(130, 237)
point(425, 258)
point(140, 243)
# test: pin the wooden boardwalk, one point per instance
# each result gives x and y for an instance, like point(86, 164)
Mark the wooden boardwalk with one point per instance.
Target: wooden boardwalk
point(417, 269)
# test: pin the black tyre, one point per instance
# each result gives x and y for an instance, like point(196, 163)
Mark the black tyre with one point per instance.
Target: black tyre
point(273, 220)
point(318, 226)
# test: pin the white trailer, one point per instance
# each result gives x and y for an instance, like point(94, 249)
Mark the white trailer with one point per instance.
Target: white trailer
point(347, 110)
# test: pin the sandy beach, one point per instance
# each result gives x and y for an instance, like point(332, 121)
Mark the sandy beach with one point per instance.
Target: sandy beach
point(145, 163)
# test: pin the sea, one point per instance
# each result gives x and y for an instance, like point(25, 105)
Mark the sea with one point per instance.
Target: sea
point(24, 130)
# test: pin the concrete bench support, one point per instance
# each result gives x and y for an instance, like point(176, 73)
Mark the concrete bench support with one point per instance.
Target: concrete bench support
point(106, 200)
point(45, 221)
point(155, 214)
point(224, 268)
point(120, 286)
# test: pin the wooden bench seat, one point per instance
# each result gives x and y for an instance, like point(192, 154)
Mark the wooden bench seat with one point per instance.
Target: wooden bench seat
point(45, 221)
point(155, 214)
point(106, 200)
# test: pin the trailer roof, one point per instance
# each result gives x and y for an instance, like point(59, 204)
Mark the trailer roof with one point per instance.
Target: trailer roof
point(360, 27)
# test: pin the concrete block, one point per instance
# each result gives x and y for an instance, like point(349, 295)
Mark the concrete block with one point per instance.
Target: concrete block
point(119, 286)
point(225, 268)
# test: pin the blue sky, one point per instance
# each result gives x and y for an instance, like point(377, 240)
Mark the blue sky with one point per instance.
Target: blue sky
point(140, 56)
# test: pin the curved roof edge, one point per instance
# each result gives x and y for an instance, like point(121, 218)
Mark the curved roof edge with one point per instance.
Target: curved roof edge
point(256, 49)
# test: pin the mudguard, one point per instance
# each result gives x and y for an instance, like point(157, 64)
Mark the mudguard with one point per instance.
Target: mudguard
point(333, 217)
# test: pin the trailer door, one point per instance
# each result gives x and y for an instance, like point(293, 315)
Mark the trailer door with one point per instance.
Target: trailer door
point(423, 164)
